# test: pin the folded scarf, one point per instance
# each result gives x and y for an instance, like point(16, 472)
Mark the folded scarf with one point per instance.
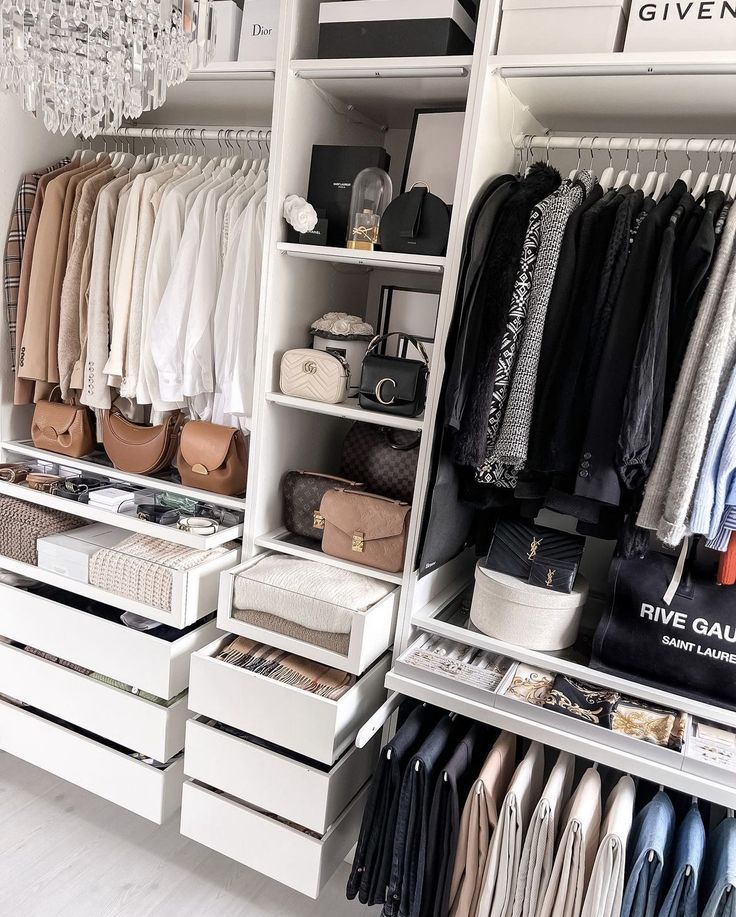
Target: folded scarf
point(286, 668)
point(306, 592)
point(336, 643)
point(655, 725)
point(581, 701)
point(530, 685)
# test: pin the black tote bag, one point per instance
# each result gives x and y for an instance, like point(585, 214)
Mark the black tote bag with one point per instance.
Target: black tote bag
point(686, 645)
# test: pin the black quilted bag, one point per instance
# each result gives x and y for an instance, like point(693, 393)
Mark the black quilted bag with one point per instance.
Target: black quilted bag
point(302, 492)
point(385, 460)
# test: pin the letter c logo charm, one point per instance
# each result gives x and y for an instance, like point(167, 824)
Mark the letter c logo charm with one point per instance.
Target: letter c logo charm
point(379, 391)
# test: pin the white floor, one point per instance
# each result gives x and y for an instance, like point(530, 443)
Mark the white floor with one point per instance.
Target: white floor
point(67, 853)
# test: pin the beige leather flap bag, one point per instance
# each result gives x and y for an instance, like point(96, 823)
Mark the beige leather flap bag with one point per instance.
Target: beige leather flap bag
point(365, 529)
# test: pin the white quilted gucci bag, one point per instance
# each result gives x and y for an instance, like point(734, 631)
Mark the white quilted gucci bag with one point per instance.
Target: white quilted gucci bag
point(315, 375)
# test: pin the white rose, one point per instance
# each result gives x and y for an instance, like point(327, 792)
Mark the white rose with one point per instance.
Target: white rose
point(299, 213)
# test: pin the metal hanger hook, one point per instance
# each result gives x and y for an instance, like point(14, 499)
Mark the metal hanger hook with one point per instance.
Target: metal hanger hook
point(549, 140)
point(592, 156)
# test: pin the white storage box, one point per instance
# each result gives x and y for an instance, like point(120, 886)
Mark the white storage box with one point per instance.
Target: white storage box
point(562, 26)
point(134, 657)
point(260, 30)
point(140, 724)
point(271, 779)
point(228, 18)
point(711, 755)
point(298, 859)
point(314, 726)
point(148, 791)
point(661, 26)
point(371, 631)
point(68, 554)
point(508, 609)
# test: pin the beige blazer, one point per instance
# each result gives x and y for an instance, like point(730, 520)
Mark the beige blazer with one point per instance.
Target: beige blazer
point(23, 387)
point(477, 824)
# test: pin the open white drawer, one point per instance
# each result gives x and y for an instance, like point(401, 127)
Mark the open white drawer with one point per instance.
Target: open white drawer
point(270, 779)
point(301, 860)
point(371, 633)
point(152, 793)
point(313, 726)
point(134, 657)
point(193, 592)
point(141, 725)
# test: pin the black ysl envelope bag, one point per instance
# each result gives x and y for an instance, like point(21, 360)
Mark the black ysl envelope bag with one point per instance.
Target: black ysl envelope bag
point(517, 545)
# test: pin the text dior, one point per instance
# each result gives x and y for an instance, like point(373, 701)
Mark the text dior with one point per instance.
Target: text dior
point(680, 621)
point(705, 9)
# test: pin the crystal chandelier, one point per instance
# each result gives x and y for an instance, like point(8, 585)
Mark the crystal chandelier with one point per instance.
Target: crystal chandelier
point(85, 65)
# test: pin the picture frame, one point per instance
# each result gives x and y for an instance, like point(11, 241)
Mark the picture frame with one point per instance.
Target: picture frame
point(410, 311)
point(433, 156)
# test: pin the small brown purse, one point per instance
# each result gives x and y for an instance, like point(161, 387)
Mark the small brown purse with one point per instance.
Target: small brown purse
point(365, 529)
point(213, 458)
point(140, 449)
point(62, 428)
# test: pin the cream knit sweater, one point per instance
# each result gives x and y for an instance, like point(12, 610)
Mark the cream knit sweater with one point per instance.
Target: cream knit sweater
point(705, 370)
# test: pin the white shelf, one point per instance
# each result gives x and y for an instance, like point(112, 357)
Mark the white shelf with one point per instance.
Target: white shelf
point(387, 261)
point(121, 520)
point(237, 70)
point(90, 592)
point(425, 620)
point(86, 466)
point(647, 93)
point(282, 541)
point(389, 89)
point(350, 410)
point(558, 737)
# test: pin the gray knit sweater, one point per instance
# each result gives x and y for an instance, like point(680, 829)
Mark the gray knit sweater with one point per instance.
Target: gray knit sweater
point(705, 370)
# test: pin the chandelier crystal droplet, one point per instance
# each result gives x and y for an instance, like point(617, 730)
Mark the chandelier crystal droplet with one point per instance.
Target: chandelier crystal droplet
point(86, 65)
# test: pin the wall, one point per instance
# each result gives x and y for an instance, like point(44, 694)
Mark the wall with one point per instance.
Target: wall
point(24, 146)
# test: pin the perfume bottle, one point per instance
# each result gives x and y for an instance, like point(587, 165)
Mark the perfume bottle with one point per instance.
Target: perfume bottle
point(372, 192)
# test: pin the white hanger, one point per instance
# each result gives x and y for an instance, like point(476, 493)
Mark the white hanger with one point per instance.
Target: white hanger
point(701, 185)
point(664, 182)
point(624, 175)
point(650, 182)
point(687, 175)
point(636, 179)
point(610, 172)
point(728, 176)
point(716, 180)
point(577, 168)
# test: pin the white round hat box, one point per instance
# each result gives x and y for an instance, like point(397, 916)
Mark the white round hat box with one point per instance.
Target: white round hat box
point(508, 609)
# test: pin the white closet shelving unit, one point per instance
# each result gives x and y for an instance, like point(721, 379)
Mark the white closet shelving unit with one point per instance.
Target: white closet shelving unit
point(77, 727)
point(355, 102)
point(282, 788)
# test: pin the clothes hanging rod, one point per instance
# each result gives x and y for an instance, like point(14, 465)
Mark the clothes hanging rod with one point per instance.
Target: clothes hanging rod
point(543, 71)
point(184, 132)
point(717, 146)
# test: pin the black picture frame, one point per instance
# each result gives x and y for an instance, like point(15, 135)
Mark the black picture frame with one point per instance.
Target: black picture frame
point(386, 310)
point(418, 113)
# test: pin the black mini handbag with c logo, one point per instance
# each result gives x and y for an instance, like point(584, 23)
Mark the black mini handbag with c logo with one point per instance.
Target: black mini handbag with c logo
point(394, 385)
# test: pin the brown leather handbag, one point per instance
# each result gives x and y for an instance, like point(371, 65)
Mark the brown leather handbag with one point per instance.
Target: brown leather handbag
point(214, 458)
point(62, 428)
point(138, 448)
point(365, 529)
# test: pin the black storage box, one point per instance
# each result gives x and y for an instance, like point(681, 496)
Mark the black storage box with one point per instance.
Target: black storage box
point(331, 177)
point(385, 28)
